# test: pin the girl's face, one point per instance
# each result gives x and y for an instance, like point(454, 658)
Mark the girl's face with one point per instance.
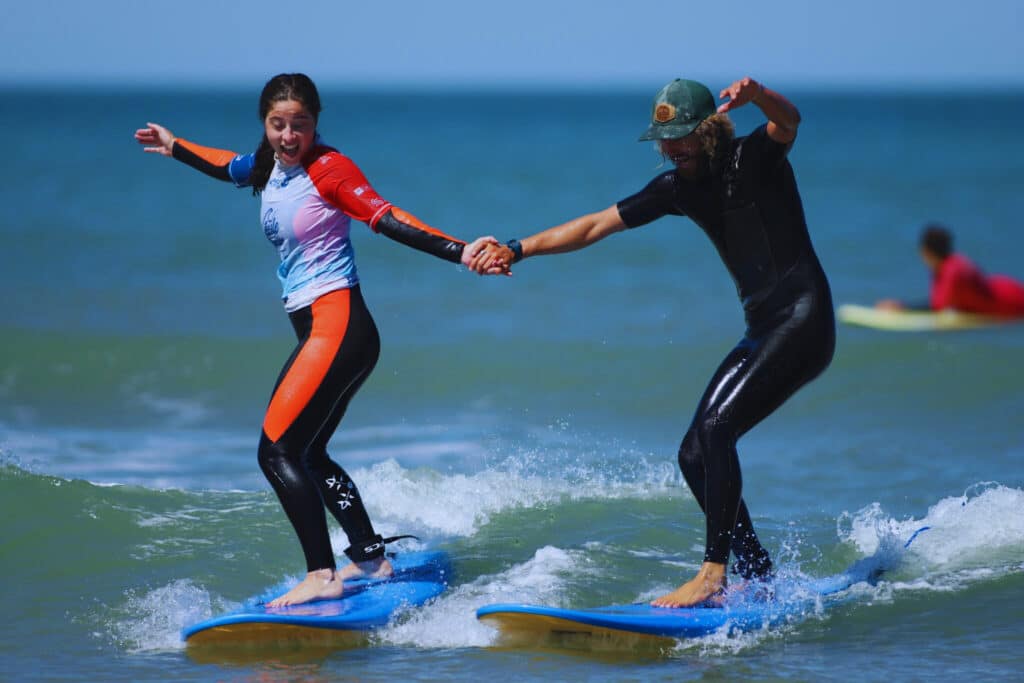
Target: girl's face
point(685, 153)
point(291, 131)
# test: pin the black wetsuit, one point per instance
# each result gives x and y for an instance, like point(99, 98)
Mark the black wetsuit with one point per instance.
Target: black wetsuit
point(751, 210)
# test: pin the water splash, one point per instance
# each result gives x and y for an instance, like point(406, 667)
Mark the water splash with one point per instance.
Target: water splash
point(450, 621)
point(460, 504)
point(152, 621)
point(974, 537)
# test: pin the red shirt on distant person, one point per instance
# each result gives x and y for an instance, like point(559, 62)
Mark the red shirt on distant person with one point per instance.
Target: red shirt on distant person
point(958, 283)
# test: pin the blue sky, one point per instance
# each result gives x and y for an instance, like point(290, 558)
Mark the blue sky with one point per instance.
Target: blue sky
point(525, 43)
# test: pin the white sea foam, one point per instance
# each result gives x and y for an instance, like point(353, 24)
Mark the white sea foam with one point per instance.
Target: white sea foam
point(459, 504)
point(977, 536)
point(450, 621)
point(158, 616)
point(983, 525)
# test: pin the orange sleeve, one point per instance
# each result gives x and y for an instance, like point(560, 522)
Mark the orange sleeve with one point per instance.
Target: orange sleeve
point(216, 157)
point(409, 219)
point(340, 182)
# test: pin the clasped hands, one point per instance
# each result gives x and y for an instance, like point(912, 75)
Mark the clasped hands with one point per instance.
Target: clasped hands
point(487, 256)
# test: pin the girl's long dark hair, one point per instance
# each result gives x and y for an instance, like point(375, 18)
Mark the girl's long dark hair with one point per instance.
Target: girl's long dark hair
point(298, 87)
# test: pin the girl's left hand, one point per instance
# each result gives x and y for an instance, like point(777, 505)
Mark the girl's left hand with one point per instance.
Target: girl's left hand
point(155, 139)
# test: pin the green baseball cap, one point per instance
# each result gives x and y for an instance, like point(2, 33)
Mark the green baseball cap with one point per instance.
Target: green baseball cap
point(678, 109)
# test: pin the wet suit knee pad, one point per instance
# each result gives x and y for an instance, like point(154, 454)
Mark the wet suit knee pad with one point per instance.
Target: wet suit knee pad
point(690, 454)
point(272, 458)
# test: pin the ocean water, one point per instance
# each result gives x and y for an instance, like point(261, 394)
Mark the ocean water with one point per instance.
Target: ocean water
point(527, 425)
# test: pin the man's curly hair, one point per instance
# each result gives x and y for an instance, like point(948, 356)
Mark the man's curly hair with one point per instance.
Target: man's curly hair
point(716, 134)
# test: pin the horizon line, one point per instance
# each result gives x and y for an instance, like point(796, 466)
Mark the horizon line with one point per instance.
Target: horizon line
point(509, 86)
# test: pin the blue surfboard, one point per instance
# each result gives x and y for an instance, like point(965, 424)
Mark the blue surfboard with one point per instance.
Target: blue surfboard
point(366, 604)
point(787, 600)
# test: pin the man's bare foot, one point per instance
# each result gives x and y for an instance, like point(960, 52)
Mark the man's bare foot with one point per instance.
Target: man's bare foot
point(709, 582)
point(751, 589)
point(321, 584)
point(379, 568)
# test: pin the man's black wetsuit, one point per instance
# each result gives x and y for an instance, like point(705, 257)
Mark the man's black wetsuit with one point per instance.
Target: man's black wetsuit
point(751, 210)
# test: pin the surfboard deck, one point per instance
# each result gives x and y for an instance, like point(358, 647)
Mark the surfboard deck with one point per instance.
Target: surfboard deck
point(365, 605)
point(644, 621)
point(641, 624)
point(915, 321)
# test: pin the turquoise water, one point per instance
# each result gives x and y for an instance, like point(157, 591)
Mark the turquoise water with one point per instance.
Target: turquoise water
point(527, 425)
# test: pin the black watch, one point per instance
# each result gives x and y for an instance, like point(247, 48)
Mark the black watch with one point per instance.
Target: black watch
point(517, 250)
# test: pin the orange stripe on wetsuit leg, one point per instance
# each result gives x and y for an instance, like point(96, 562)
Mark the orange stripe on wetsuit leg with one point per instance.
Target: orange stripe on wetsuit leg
point(293, 394)
point(217, 157)
point(409, 219)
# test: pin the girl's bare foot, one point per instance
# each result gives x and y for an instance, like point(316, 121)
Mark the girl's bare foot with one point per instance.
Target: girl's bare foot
point(709, 582)
point(321, 584)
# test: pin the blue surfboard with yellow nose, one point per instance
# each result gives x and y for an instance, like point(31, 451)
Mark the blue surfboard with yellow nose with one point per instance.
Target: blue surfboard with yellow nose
point(519, 622)
point(778, 602)
point(365, 605)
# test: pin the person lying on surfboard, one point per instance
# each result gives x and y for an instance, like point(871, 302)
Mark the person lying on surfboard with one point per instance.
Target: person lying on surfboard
point(959, 284)
point(743, 194)
point(309, 194)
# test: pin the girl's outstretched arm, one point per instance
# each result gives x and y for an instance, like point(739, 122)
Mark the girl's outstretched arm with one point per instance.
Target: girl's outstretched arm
point(215, 163)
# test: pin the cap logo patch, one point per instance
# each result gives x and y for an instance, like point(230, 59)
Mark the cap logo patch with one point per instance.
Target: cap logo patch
point(664, 112)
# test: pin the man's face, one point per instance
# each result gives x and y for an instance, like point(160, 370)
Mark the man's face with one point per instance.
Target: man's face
point(930, 259)
point(685, 153)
